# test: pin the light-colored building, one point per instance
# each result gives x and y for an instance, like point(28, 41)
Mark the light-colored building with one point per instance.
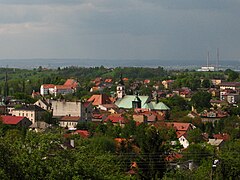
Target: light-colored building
point(70, 86)
point(32, 112)
point(69, 108)
point(69, 121)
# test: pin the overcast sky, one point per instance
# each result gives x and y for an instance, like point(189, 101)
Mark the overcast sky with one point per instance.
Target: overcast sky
point(120, 29)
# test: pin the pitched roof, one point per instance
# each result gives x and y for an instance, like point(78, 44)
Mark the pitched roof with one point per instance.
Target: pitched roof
point(215, 142)
point(234, 84)
point(12, 120)
point(126, 101)
point(223, 136)
point(115, 119)
point(82, 133)
point(40, 124)
point(71, 83)
point(47, 86)
point(156, 106)
point(62, 87)
point(70, 118)
point(30, 108)
point(99, 99)
point(180, 126)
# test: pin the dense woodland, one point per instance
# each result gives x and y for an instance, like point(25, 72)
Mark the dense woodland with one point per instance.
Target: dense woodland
point(29, 155)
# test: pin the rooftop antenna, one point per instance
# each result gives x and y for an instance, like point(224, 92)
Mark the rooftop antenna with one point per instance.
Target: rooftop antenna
point(218, 57)
point(208, 59)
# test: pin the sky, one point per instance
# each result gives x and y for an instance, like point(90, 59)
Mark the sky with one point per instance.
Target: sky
point(120, 29)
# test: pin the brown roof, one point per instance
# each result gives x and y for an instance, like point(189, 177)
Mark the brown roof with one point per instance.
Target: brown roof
point(98, 99)
point(70, 118)
point(179, 126)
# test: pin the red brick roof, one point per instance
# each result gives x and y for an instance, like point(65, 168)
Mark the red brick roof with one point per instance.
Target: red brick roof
point(12, 120)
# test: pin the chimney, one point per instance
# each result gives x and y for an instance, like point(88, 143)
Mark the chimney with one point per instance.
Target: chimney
point(72, 142)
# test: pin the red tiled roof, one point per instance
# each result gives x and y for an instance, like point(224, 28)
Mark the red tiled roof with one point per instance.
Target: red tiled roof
point(13, 120)
point(47, 86)
point(115, 119)
point(98, 99)
point(108, 80)
point(223, 136)
point(181, 133)
point(125, 79)
point(71, 83)
point(173, 157)
point(82, 133)
point(179, 126)
point(62, 87)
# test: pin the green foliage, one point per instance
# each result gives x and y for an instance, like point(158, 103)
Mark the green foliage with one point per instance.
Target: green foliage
point(229, 166)
point(195, 136)
point(198, 153)
point(201, 100)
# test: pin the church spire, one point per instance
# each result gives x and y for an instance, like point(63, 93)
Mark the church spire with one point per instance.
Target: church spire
point(120, 88)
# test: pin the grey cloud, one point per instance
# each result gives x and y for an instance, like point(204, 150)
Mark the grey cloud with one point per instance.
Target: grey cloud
point(30, 2)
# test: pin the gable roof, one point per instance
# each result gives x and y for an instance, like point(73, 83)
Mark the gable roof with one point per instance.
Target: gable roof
point(180, 126)
point(40, 125)
point(126, 101)
point(99, 99)
point(71, 83)
point(153, 105)
point(11, 120)
point(47, 86)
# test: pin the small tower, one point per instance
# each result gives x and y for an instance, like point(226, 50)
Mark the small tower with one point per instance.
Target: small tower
point(136, 103)
point(120, 88)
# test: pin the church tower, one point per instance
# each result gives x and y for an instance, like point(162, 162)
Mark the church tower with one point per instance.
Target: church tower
point(120, 88)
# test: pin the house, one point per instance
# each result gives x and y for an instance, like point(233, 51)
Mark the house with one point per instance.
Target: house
point(39, 126)
point(182, 130)
point(223, 136)
point(32, 112)
point(69, 121)
point(99, 99)
point(71, 108)
point(218, 103)
point(70, 86)
point(183, 92)
point(16, 121)
point(216, 82)
point(167, 84)
point(116, 119)
point(108, 107)
point(229, 85)
point(43, 103)
point(12, 103)
point(212, 116)
point(218, 143)
point(82, 133)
